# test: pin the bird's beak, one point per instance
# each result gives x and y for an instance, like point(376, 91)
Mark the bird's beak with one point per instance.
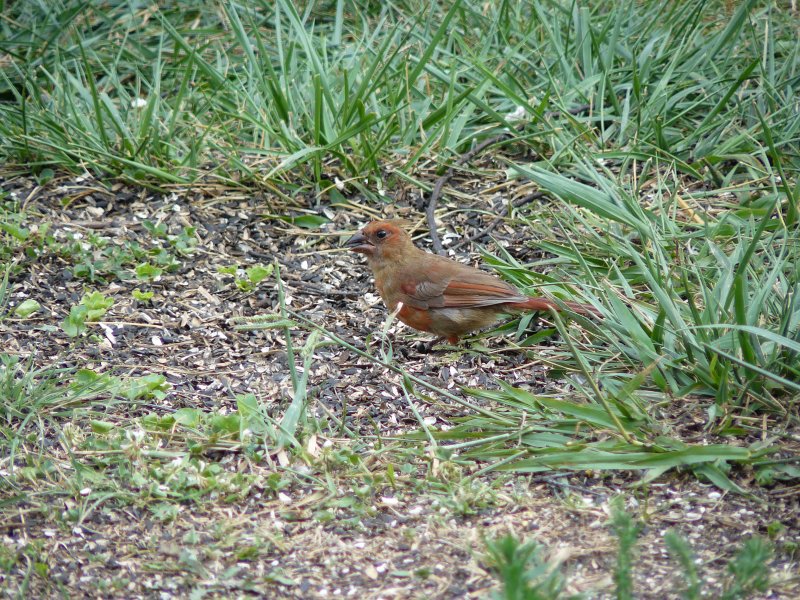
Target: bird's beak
point(359, 243)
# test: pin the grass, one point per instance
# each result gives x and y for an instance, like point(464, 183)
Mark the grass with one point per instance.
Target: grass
point(674, 212)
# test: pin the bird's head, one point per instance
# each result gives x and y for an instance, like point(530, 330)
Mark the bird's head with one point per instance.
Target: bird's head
point(381, 240)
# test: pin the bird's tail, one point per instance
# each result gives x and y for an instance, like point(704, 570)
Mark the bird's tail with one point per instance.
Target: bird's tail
point(546, 304)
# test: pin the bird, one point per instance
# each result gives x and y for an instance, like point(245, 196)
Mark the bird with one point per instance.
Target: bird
point(435, 294)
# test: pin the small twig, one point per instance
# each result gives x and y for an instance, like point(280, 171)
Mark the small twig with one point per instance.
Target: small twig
point(692, 214)
point(575, 110)
point(490, 227)
point(316, 291)
point(437, 188)
point(466, 157)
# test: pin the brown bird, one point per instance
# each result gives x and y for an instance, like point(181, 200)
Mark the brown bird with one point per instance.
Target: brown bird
point(439, 295)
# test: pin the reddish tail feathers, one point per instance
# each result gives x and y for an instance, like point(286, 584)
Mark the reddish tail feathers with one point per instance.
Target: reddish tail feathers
point(545, 304)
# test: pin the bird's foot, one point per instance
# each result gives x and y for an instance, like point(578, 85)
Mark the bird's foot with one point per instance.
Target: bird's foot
point(427, 347)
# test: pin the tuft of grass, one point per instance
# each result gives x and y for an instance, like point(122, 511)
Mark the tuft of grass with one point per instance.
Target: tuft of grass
point(680, 549)
point(750, 569)
point(627, 531)
point(522, 570)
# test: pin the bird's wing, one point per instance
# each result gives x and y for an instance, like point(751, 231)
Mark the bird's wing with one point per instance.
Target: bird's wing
point(424, 294)
point(471, 287)
point(463, 287)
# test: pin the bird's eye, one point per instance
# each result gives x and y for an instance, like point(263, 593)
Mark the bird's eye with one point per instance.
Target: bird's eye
point(381, 233)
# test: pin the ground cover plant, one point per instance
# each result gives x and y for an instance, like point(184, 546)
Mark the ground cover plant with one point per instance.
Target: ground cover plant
point(203, 395)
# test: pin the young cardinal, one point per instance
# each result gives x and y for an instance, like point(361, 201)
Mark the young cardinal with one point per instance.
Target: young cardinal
point(439, 295)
